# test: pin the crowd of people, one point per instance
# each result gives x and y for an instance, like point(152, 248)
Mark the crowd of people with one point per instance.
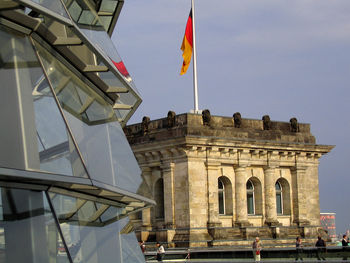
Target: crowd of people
point(321, 249)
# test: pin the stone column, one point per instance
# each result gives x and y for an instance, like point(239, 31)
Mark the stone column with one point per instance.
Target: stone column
point(241, 195)
point(270, 196)
point(169, 195)
point(146, 213)
point(299, 195)
point(213, 170)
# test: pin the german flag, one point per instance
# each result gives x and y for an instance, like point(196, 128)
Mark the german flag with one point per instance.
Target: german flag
point(187, 45)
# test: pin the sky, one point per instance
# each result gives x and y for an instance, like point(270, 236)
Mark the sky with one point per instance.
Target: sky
point(283, 58)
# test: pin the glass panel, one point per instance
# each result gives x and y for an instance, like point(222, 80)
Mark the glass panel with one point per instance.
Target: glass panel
point(94, 242)
point(103, 43)
point(250, 203)
point(74, 95)
point(279, 203)
point(48, 143)
point(250, 185)
point(100, 138)
point(28, 224)
point(83, 13)
point(221, 186)
point(159, 198)
point(106, 21)
point(278, 187)
point(56, 149)
point(53, 5)
point(221, 203)
point(112, 212)
point(108, 6)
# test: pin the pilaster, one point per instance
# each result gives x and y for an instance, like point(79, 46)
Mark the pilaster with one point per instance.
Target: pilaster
point(169, 194)
point(270, 196)
point(213, 173)
point(241, 195)
point(299, 192)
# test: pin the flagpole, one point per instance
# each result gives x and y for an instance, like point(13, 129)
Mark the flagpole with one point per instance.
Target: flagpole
point(195, 85)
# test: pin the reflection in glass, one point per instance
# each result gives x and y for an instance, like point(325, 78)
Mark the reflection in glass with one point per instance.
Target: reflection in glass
point(48, 143)
point(28, 224)
point(103, 43)
point(94, 241)
point(74, 95)
point(57, 152)
point(100, 138)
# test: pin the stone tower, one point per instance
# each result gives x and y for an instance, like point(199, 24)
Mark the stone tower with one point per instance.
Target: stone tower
point(224, 180)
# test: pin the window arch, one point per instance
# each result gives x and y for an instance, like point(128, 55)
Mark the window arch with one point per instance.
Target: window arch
point(250, 198)
point(225, 196)
point(159, 198)
point(279, 198)
point(283, 198)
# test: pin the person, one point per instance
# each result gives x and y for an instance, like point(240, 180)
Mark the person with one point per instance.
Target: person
point(256, 249)
point(320, 248)
point(345, 243)
point(160, 252)
point(299, 248)
point(143, 246)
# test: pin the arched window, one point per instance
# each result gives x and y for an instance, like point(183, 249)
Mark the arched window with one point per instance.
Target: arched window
point(279, 198)
point(225, 196)
point(221, 193)
point(250, 198)
point(159, 198)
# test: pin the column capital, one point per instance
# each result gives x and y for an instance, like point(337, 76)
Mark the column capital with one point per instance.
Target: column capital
point(240, 166)
point(212, 165)
point(146, 169)
point(299, 168)
point(167, 166)
point(270, 166)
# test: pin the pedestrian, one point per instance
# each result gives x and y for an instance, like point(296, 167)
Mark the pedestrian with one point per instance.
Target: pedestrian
point(345, 243)
point(143, 246)
point(299, 248)
point(160, 252)
point(256, 249)
point(320, 248)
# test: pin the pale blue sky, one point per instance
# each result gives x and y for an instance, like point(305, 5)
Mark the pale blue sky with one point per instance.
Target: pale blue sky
point(285, 58)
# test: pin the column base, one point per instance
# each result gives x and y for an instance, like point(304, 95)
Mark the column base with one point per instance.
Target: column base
point(272, 222)
point(243, 223)
point(214, 224)
point(170, 226)
point(302, 222)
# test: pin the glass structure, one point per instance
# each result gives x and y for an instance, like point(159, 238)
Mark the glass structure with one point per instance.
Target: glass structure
point(68, 177)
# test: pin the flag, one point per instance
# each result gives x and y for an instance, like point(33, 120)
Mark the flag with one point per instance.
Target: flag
point(187, 45)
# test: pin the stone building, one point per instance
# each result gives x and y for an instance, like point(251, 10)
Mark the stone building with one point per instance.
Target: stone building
point(224, 180)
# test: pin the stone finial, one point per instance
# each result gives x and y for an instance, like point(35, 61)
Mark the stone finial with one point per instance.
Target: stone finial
point(171, 119)
point(145, 125)
point(206, 117)
point(266, 122)
point(237, 119)
point(294, 126)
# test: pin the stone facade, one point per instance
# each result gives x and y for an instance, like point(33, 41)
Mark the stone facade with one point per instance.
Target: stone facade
point(216, 182)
